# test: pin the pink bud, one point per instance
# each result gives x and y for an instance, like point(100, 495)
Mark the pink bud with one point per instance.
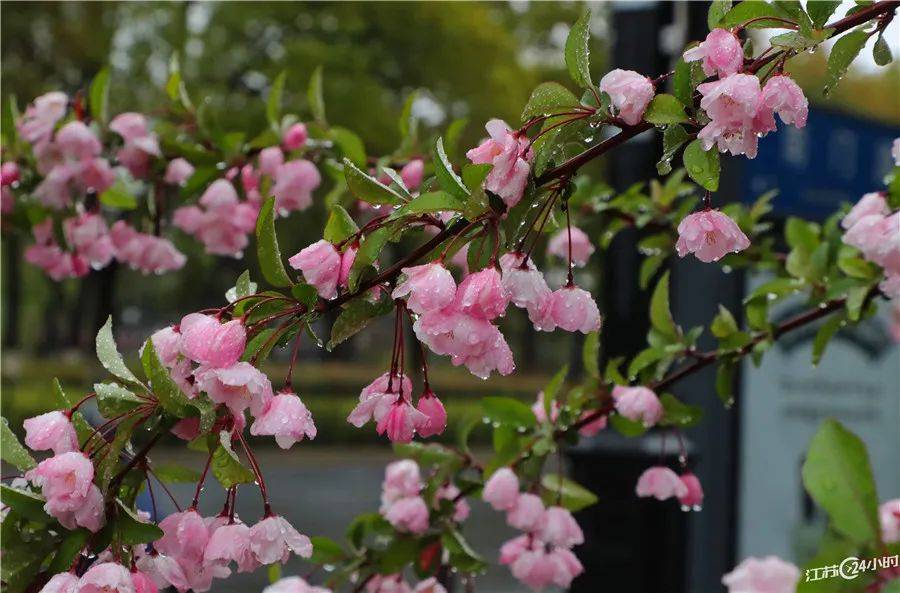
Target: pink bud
point(9, 173)
point(287, 419)
point(510, 154)
point(661, 483)
point(320, 264)
point(721, 53)
point(51, 431)
point(592, 427)
point(412, 173)
point(273, 539)
point(638, 404)
point(481, 295)
point(178, 171)
point(408, 514)
point(269, 160)
point(525, 286)
point(710, 235)
point(871, 204)
point(295, 137)
point(501, 491)
point(429, 286)
point(294, 183)
point(559, 527)
point(401, 479)
point(347, 259)
point(785, 97)
point(210, 343)
point(889, 517)
point(630, 93)
point(401, 422)
point(570, 308)
point(581, 246)
point(106, 577)
point(527, 513)
point(433, 410)
point(694, 496)
point(239, 387)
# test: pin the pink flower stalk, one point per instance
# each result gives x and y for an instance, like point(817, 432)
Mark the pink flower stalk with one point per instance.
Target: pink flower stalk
point(210, 343)
point(295, 137)
point(88, 235)
point(178, 171)
point(376, 399)
point(581, 246)
point(320, 264)
point(694, 496)
point(52, 431)
point(412, 174)
point(570, 308)
point(269, 160)
point(427, 287)
point(871, 204)
point(287, 419)
point(273, 539)
point(527, 514)
point(408, 515)
point(436, 416)
point(64, 479)
point(294, 585)
point(239, 386)
point(9, 173)
point(144, 252)
point(540, 412)
point(294, 183)
point(106, 577)
point(481, 295)
point(401, 480)
point(231, 543)
point(592, 427)
point(889, 517)
point(638, 404)
point(721, 53)
point(468, 340)
point(501, 491)
point(401, 422)
point(630, 93)
point(763, 575)
point(510, 154)
point(785, 97)
point(40, 117)
point(559, 528)
point(661, 483)
point(710, 235)
point(63, 582)
point(525, 286)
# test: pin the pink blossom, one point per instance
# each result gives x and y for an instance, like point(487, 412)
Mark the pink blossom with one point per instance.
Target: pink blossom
point(147, 253)
point(7, 201)
point(294, 585)
point(571, 309)
point(273, 539)
point(40, 117)
point(63, 582)
point(501, 491)
point(661, 483)
point(210, 343)
point(178, 171)
point(188, 219)
point(347, 259)
point(375, 399)
point(527, 514)
point(294, 183)
point(295, 137)
point(783, 96)
point(231, 543)
point(52, 431)
point(739, 117)
point(219, 193)
point(185, 536)
point(710, 235)
point(401, 480)
point(871, 204)
point(481, 295)
point(468, 340)
point(412, 173)
point(461, 509)
point(54, 190)
point(88, 236)
point(890, 286)
point(9, 173)
point(89, 513)
point(630, 93)
point(513, 548)
point(592, 427)
point(269, 160)
point(239, 386)
point(77, 142)
point(165, 571)
point(721, 53)
point(140, 142)
point(762, 575)
point(581, 246)
point(65, 480)
point(108, 577)
point(143, 583)
point(287, 419)
point(408, 515)
point(694, 495)
point(889, 515)
point(559, 527)
point(525, 285)
point(429, 287)
point(401, 422)
point(537, 567)
point(320, 264)
point(56, 263)
point(436, 416)
point(429, 585)
point(510, 155)
point(391, 583)
point(540, 412)
point(638, 404)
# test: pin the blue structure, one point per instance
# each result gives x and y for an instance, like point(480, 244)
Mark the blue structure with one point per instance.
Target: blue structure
point(836, 158)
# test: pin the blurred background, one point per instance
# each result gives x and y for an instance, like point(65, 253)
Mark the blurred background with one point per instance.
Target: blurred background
point(475, 60)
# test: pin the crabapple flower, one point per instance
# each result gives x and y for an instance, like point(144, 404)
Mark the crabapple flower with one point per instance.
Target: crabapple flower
point(433, 410)
point(429, 585)
point(144, 252)
point(375, 399)
point(107, 577)
point(408, 514)
point(889, 516)
point(738, 115)
point(401, 422)
point(140, 143)
point(77, 142)
point(871, 204)
point(501, 491)
point(571, 309)
point(294, 585)
point(481, 295)
point(540, 411)
point(9, 173)
point(210, 343)
point(592, 427)
point(294, 183)
point(661, 483)
point(581, 246)
point(721, 53)
point(429, 287)
point(231, 543)
point(510, 154)
point(269, 160)
point(295, 137)
point(525, 285)
point(710, 235)
point(461, 509)
point(694, 495)
point(527, 514)
point(320, 264)
point(178, 171)
point(273, 539)
point(390, 583)
point(239, 386)
point(65, 480)
point(468, 340)
point(143, 583)
point(412, 173)
point(63, 582)
point(287, 419)
point(88, 235)
point(88, 513)
point(401, 479)
point(638, 404)
point(560, 528)
point(763, 575)
point(40, 117)
point(630, 93)
point(531, 563)
point(52, 431)
point(785, 97)
point(185, 536)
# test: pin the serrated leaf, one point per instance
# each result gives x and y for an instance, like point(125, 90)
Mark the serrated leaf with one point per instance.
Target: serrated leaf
point(226, 466)
point(108, 354)
point(113, 399)
point(548, 98)
point(315, 96)
point(437, 201)
point(820, 11)
point(267, 250)
point(665, 109)
point(793, 40)
point(12, 451)
point(99, 96)
point(355, 317)
point(508, 411)
point(842, 55)
point(678, 413)
point(340, 225)
point(702, 166)
point(578, 51)
point(446, 176)
point(367, 188)
point(170, 396)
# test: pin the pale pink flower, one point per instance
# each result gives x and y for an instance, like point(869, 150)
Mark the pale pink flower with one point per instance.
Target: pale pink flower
point(89, 513)
point(629, 92)
point(219, 193)
point(408, 514)
point(178, 171)
point(231, 543)
point(510, 154)
point(429, 287)
point(9, 173)
point(785, 97)
point(461, 509)
point(883, 245)
point(165, 571)
point(390, 583)
point(107, 577)
point(763, 575)
point(581, 246)
point(501, 491)
point(710, 235)
point(210, 343)
point(570, 308)
point(481, 295)
point(140, 142)
point(185, 536)
point(143, 583)
point(188, 219)
point(538, 567)
point(436, 416)
point(401, 480)
point(269, 160)
point(7, 201)
point(592, 427)
point(88, 235)
point(470, 341)
point(77, 142)
point(694, 495)
point(739, 116)
point(527, 513)
point(295, 137)
point(513, 548)
point(144, 252)
point(525, 285)
point(540, 413)
point(889, 516)
point(40, 117)
point(401, 422)
point(54, 190)
point(273, 539)
point(287, 419)
point(721, 53)
point(347, 259)
point(294, 183)
point(167, 342)
point(375, 399)
point(52, 431)
point(63, 582)
point(65, 480)
point(294, 585)
point(559, 527)
point(239, 386)
point(890, 286)
point(638, 404)
point(412, 173)
point(661, 483)
point(320, 264)
point(429, 585)
point(871, 204)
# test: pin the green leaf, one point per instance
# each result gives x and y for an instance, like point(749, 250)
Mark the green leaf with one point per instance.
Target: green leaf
point(11, 450)
point(702, 166)
point(723, 324)
point(824, 335)
point(131, 531)
point(273, 103)
point(548, 98)
point(350, 144)
point(27, 504)
point(226, 466)
point(462, 556)
point(174, 473)
point(99, 96)
point(842, 55)
point(446, 177)
point(665, 109)
point(367, 188)
point(508, 411)
point(725, 383)
point(838, 476)
point(660, 313)
point(820, 11)
point(590, 354)
point(326, 551)
point(118, 196)
point(340, 225)
point(368, 253)
point(801, 234)
point(717, 10)
point(856, 298)
point(107, 465)
point(551, 390)
point(682, 82)
point(754, 9)
point(678, 413)
point(881, 51)
point(436, 201)
point(355, 317)
point(626, 427)
point(400, 552)
point(68, 549)
point(793, 40)
point(649, 267)
point(408, 124)
point(574, 496)
point(113, 399)
point(267, 250)
point(108, 354)
point(578, 51)
point(673, 138)
point(474, 175)
point(315, 97)
point(170, 396)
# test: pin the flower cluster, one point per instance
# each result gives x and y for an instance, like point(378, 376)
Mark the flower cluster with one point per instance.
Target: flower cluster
point(324, 266)
point(402, 502)
point(388, 402)
point(872, 228)
point(510, 154)
point(108, 577)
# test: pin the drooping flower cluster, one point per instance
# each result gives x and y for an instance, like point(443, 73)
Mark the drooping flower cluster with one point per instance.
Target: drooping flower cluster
point(542, 556)
point(103, 577)
point(66, 483)
point(388, 402)
point(710, 235)
point(221, 221)
point(872, 228)
point(510, 153)
point(324, 266)
point(401, 497)
point(662, 483)
point(629, 92)
point(395, 583)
